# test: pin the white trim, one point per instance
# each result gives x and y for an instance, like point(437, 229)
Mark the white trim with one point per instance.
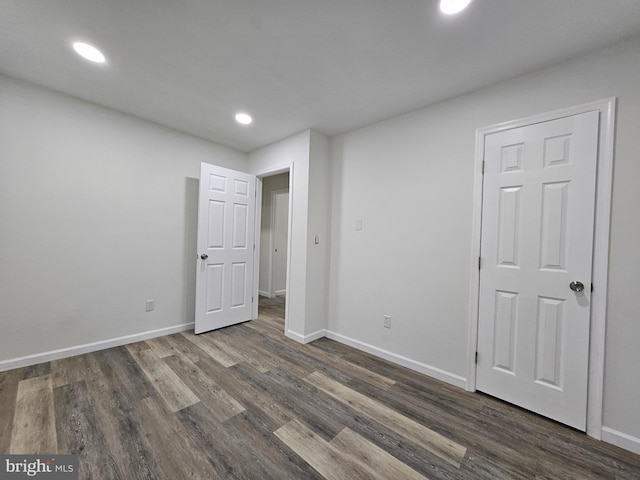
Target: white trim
point(289, 243)
point(294, 336)
point(280, 293)
point(622, 440)
point(257, 221)
point(90, 347)
point(474, 281)
point(600, 275)
point(275, 170)
point(262, 293)
point(423, 368)
point(607, 109)
point(304, 339)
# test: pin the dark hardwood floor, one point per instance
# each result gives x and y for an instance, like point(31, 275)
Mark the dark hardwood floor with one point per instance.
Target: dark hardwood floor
point(246, 402)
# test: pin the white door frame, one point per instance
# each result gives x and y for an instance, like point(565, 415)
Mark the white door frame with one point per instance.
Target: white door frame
point(272, 232)
point(604, 181)
point(269, 172)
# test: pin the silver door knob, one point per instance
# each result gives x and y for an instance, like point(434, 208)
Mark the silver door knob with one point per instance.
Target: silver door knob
point(576, 286)
point(204, 256)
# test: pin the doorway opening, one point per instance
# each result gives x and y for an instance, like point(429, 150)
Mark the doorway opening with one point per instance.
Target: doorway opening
point(274, 228)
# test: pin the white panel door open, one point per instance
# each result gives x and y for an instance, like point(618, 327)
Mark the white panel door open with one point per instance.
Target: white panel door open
point(225, 248)
point(536, 254)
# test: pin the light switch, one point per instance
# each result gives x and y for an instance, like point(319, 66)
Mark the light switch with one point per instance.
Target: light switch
point(359, 224)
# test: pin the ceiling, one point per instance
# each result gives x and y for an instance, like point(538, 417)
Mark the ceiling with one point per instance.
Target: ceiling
point(331, 65)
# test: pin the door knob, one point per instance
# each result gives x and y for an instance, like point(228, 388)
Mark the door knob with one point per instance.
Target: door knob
point(204, 256)
point(576, 286)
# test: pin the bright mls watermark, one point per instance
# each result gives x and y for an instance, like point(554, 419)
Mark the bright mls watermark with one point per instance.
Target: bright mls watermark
point(50, 467)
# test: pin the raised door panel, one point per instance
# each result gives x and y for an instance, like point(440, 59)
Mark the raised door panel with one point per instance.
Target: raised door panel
point(550, 346)
point(238, 284)
point(217, 183)
point(240, 226)
point(553, 237)
point(215, 287)
point(504, 336)
point(216, 228)
point(509, 226)
point(556, 150)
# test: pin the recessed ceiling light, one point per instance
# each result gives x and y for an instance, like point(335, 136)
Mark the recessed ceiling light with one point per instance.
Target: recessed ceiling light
point(89, 52)
point(243, 118)
point(453, 6)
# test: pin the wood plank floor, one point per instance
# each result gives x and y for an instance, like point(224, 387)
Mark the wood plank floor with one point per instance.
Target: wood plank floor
point(246, 402)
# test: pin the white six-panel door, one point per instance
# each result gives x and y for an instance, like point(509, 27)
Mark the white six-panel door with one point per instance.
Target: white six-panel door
point(225, 248)
point(537, 238)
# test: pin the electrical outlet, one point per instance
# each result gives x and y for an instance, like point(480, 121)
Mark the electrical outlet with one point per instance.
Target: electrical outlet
point(149, 305)
point(387, 321)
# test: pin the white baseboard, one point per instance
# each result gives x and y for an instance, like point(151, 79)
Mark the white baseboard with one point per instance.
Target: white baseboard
point(621, 440)
point(294, 336)
point(278, 293)
point(89, 347)
point(314, 336)
point(423, 368)
point(304, 339)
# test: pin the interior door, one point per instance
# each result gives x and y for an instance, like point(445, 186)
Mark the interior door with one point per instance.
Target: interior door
point(280, 238)
point(536, 260)
point(225, 248)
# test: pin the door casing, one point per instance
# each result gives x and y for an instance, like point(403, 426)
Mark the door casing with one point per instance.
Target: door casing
point(260, 174)
point(604, 182)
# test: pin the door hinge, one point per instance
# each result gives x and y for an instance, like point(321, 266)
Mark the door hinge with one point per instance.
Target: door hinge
point(479, 263)
point(476, 358)
point(483, 167)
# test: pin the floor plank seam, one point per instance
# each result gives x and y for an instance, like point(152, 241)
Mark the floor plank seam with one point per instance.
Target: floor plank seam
point(248, 402)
